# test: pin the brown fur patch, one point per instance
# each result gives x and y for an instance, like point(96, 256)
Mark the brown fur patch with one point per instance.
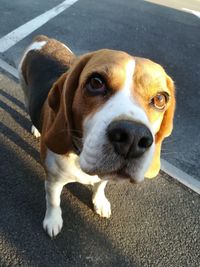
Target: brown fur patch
point(53, 49)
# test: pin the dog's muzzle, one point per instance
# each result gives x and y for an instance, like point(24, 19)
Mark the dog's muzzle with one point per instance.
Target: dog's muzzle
point(124, 153)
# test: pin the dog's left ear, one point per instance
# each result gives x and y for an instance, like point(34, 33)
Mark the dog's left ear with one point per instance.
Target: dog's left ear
point(164, 131)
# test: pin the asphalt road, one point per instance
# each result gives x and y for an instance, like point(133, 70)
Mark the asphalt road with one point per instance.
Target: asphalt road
point(156, 223)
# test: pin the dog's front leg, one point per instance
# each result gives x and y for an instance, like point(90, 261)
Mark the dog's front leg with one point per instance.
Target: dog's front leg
point(101, 203)
point(53, 218)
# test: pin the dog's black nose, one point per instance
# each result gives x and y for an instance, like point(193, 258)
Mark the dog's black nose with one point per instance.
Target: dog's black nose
point(130, 139)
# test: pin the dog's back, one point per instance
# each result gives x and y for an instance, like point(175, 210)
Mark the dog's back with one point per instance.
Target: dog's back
point(46, 60)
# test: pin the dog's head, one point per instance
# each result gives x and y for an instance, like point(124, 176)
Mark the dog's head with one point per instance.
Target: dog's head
point(116, 109)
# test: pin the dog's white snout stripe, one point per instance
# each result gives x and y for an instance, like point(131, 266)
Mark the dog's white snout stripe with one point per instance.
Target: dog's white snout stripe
point(128, 84)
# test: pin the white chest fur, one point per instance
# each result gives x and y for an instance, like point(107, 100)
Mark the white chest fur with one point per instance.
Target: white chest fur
point(66, 169)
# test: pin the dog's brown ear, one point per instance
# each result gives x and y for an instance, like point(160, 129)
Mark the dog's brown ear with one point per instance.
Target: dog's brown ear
point(58, 130)
point(164, 131)
point(167, 122)
point(54, 96)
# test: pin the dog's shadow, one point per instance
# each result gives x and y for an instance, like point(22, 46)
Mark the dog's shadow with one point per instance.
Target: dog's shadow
point(82, 192)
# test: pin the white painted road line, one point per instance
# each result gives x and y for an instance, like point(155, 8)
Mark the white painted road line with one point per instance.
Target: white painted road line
point(181, 176)
point(166, 167)
point(5, 66)
point(194, 12)
point(21, 32)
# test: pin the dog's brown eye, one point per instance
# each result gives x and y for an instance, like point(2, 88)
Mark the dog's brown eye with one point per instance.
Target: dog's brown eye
point(96, 85)
point(160, 100)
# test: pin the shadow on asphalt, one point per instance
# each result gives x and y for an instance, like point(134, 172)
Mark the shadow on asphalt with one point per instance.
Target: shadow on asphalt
point(19, 118)
point(13, 136)
point(14, 100)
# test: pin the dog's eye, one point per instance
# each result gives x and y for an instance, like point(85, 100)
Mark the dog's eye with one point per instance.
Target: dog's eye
point(96, 85)
point(160, 100)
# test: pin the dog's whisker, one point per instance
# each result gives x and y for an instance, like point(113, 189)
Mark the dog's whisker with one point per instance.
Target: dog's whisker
point(77, 141)
point(73, 130)
point(168, 150)
point(170, 141)
point(170, 153)
point(70, 131)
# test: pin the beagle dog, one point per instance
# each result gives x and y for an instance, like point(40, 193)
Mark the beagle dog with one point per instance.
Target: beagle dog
point(102, 117)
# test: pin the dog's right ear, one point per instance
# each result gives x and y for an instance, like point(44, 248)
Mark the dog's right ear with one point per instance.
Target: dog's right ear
point(58, 133)
point(164, 131)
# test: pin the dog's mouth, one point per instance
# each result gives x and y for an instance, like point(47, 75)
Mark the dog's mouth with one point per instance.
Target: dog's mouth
point(114, 169)
point(120, 174)
point(123, 173)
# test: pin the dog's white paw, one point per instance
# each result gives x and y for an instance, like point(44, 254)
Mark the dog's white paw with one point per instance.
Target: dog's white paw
point(53, 221)
point(35, 131)
point(102, 206)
